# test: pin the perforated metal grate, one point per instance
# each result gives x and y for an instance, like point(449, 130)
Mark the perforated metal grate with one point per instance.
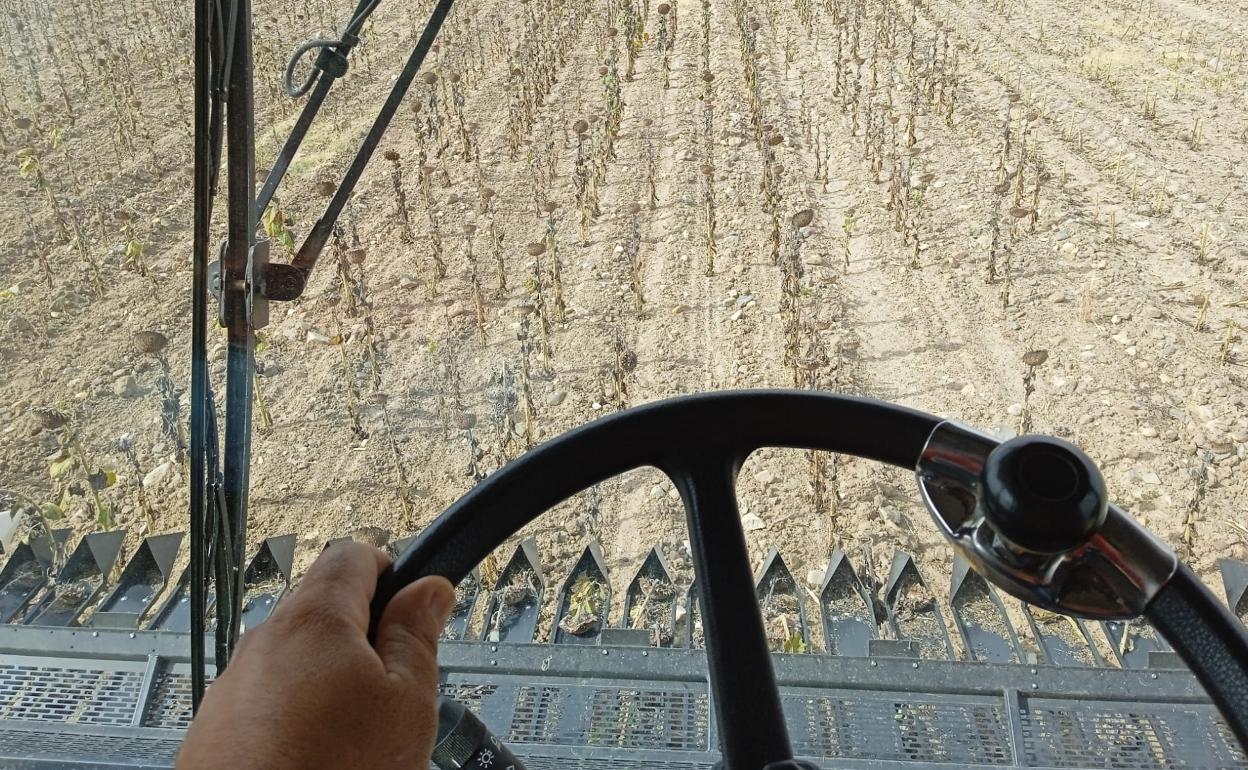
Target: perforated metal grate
point(652, 719)
point(903, 729)
point(94, 748)
point(622, 717)
point(536, 715)
point(74, 695)
point(470, 694)
point(170, 704)
point(1126, 736)
point(569, 763)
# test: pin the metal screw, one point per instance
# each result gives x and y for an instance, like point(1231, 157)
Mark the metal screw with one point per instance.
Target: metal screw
point(874, 663)
point(493, 662)
point(494, 648)
point(914, 665)
point(645, 653)
point(1033, 672)
point(606, 652)
point(94, 634)
point(131, 634)
point(1153, 675)
point(1035, 686)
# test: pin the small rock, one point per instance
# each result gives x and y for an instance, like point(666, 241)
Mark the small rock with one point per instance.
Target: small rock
point(316, 337)
point(556, 397)
point(1148, 431)
point(127, 387)
point(156, 475)
point(751, 523)
point(408, 282)
point(815, 577)
point(19, 326)
point(1014, 410)
point(1058, 298)
point(658, 492)
point(764, 477)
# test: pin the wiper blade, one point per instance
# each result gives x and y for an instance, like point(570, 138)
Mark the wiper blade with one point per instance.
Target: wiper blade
point(330, 64)
point(286, 282)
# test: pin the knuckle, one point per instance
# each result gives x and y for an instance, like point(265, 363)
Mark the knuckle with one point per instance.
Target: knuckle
point(312, 616)
point(336, 560)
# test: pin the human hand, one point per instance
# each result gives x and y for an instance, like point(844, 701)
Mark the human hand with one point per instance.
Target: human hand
point(306, 689)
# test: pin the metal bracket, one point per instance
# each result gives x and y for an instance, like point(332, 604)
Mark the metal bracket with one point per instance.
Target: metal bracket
point(257, 266)
point(1115, 573)
point(266, 282)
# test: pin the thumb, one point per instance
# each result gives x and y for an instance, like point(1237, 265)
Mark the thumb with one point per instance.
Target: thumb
point(407, 636)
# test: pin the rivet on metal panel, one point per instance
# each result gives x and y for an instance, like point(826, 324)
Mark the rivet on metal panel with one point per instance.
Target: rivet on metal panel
point(875, 663)
point(606, 652)
point(1153, 675)
point(493, 648)
point(493, 662)
point(914, 665)
point(95, 634)
point(646, 654)
point(1035, 686)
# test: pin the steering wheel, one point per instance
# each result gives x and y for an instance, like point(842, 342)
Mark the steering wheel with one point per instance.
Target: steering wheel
point(1030, 514)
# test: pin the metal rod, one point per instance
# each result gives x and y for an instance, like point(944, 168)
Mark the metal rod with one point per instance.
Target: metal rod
point(324, 81)
point(291, 147)
point(199, 330)
point(316, 240)
point(236, 303)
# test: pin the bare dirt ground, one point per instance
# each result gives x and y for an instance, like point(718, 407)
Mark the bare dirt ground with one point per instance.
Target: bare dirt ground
point(986, 179)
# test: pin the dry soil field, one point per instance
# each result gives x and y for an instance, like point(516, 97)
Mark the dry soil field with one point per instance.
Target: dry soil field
point(588, 205)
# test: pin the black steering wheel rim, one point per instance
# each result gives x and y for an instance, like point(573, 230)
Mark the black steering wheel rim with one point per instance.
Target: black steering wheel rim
point(700, 442)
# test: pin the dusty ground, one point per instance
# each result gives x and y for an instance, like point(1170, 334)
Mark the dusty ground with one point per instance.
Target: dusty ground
point(1131, 274)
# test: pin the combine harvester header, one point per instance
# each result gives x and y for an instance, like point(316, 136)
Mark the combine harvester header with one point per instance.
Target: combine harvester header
point(95, 671)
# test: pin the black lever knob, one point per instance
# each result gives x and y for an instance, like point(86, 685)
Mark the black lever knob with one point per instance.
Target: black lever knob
point(465, 743)
point(1042, 494)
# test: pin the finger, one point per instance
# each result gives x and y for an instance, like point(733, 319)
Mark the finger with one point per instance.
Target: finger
point(341, 583)
point(407, 637)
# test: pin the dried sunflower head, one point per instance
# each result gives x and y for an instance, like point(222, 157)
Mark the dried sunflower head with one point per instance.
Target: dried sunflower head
point(150, 343)
point(49, 417)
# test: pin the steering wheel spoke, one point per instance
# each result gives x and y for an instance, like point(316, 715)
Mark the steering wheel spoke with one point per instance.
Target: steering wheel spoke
point(743, 683)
